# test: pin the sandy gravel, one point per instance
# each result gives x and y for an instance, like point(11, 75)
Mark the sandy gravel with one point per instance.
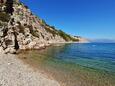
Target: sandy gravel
point(13, 72)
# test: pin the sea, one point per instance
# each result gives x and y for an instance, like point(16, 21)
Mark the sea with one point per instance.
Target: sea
point(76, 64)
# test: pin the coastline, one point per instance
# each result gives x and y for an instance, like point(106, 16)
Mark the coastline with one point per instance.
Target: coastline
point(62, 71)
point(71, 42)
point(8, 61)
point(14, 72)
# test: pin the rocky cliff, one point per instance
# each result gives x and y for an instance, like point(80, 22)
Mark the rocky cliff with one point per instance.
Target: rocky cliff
point(20, 29)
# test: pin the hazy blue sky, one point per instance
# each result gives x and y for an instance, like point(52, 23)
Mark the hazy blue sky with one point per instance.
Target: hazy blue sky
point(87, 18)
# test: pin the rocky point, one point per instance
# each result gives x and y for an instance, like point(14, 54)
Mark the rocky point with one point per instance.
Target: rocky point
point(21, 29)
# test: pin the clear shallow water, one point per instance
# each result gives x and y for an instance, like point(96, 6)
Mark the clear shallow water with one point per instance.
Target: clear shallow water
point(78, 64)
point(99, 56)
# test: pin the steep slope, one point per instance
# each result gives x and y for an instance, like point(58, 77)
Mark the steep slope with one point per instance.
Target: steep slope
point(20, 29)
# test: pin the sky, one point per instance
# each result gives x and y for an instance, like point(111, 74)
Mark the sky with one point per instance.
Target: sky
point(93, 19)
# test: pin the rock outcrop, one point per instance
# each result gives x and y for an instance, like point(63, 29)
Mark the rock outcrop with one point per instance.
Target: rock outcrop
point(20, 29)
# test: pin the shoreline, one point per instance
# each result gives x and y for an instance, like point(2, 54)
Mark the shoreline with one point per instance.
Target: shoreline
point(13, 72)
point(56, 69)
point(40, 47)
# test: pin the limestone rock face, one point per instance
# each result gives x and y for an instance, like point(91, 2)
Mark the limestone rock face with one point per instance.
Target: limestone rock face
point(23, 30)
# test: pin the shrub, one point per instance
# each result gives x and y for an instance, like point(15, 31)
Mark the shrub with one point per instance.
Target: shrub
point(48, 29)
point(21, 27)
point(26, 6)
point(53, 27)
point(53, 31)
point(66, 36)
point(33, 32)
point(63, 35)
point(44, 22)
point(4, 17)
point(76, 40)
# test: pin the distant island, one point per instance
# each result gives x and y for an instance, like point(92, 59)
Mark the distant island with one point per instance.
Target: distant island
point(102, 41)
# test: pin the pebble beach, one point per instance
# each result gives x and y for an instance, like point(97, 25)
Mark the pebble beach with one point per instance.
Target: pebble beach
point(13, 72)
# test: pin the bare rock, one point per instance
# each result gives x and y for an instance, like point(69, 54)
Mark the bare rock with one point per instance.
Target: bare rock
point(10, 50)
point(1, 50)
point(24, 30)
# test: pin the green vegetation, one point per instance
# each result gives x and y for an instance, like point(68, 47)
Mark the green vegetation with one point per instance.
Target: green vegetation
point(75, 40)
point(2, 4)
point(26, 6)
point(43, 22)
point(33, 32)
point(3, 23)
point(53, 27)
point(4, 17)
point(54, 31)
point(66, 36)
point(21, 27)
point(50, 30)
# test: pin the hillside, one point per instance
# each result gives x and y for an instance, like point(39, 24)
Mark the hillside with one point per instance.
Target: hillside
point(21, 29)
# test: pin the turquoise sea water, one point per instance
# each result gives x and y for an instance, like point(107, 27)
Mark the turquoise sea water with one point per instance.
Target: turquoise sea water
point(98, 56)
point(90, 64)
